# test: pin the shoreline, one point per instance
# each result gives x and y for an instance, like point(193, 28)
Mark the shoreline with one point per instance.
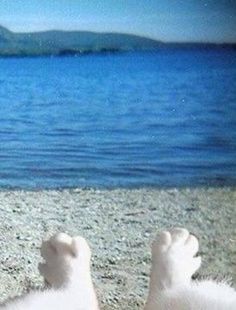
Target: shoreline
point(103, 51)
point(119, 224)
point(118, 188)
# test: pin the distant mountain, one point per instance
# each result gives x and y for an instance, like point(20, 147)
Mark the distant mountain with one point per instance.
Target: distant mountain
point(69, 42)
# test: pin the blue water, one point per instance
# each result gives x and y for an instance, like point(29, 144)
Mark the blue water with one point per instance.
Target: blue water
point(135, 119)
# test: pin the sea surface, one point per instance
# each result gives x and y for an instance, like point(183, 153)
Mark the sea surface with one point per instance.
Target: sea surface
point(164, 118)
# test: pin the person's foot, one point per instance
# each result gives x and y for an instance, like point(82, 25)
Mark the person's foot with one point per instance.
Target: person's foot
point(67, 260)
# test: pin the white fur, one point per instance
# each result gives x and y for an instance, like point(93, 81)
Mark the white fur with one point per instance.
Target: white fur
point(171, 286)
point(67, 271)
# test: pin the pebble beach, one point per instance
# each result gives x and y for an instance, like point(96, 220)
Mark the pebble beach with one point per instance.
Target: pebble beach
point(119, 225)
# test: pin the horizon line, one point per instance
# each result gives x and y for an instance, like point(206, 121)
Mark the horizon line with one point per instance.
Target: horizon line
point(123, 33)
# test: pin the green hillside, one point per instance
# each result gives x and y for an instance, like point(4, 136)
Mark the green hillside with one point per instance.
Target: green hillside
point(69, 42)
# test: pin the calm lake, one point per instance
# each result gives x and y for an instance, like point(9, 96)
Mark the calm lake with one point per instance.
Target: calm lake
point(165, 118)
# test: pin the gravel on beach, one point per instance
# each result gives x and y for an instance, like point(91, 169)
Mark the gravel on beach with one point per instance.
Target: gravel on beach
point(119, 225)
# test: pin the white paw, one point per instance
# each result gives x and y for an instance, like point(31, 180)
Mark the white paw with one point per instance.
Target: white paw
point(66, 259)
point(173, 258)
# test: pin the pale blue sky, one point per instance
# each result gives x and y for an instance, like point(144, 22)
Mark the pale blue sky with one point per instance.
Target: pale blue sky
point(173, 20)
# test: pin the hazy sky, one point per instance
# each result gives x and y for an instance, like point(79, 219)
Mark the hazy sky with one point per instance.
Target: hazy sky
point(167, 20)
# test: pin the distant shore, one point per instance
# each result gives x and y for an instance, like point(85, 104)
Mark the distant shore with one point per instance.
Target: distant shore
point(59, 43)
point(120, 225)
point(108, 51)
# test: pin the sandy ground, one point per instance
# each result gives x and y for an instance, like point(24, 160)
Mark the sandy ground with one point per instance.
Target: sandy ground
point(120, 225)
